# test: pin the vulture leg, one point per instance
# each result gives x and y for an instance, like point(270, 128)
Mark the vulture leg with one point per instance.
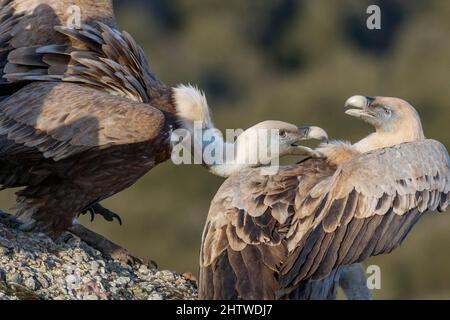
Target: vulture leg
point(324, 289)
point(107, 214)
point(9, 220)
point(56, 214)
point(353, 281)
point(351, 278)
point(105, 246)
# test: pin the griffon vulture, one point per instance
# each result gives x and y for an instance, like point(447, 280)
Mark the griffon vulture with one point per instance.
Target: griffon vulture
point(269, 236)
point(82, 116)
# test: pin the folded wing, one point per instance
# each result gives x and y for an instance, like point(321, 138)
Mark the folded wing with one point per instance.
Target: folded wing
point(311, 218)
point(62, 119)
point(244, 242)
point(366, 208)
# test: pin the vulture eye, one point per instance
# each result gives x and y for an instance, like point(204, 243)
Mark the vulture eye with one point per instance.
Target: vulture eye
point(283, 133)
point(386, 111)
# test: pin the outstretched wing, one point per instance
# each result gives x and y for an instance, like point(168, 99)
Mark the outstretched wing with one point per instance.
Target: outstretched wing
point(28, 23)
point(112, 62)
point(39, 17)
point(60, 120)
point(366, 208)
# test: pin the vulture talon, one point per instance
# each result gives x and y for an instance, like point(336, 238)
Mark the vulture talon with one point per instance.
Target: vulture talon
point(92, 213)
point(108, 215)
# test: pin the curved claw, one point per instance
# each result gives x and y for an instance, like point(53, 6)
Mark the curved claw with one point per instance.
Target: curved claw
point(92, 213)
point(110, 216)
point(105, 213)
point(118, 218)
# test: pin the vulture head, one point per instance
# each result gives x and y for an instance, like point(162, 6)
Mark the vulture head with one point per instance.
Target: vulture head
point(395, 121)
point(284, 137)
point(258, 145)
point(264, 143)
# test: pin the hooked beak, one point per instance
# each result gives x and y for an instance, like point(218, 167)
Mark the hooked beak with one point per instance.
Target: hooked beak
point(305, 133)
point(312, 132)
point(359, 107)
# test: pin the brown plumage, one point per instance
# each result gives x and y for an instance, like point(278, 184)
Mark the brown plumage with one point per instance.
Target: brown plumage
point(82, 117)
point(75, 154)
point(269, 236)
point(25, 24)
point(265, 235)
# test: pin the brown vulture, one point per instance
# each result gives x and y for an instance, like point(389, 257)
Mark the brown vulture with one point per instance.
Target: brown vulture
point(274, 236)
point(82, 116)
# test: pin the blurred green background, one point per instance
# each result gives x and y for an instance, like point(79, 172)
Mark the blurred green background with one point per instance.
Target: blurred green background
point(295, 61)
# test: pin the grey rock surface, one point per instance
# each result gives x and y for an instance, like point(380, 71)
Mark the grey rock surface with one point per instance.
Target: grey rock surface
point(33, 266)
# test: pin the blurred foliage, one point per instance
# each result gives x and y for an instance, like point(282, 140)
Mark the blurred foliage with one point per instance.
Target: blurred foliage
point(295, 61)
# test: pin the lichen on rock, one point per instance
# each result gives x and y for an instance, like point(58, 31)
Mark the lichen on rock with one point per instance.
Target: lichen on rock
point(33, 266)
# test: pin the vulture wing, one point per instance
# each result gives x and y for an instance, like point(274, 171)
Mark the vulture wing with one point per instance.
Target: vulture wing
point(28, 23)
point(265, 235)
point(366, 208)
point(244, 241)
point(62, 119)
point(95, 55)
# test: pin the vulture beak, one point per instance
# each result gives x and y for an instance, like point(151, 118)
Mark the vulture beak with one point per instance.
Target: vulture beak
point(312, 132)
point(359, 108)
point(305, 133)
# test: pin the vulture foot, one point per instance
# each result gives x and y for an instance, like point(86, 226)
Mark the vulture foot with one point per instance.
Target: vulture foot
point(105, 246)
point(108, 215)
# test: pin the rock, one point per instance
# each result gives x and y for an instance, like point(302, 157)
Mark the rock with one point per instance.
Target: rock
point(72, 280)
point(14, 277)
point(30, 283)
point(143, 269)
point(3, 251)
point(122, 280)
point(33, 266)
point(155, 296)
point(42, 281)
point(94, 265)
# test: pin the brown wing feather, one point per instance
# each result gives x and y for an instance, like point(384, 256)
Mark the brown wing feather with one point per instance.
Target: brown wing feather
point(102, 58)
point(28, 24)
point(335, 217)
point(247, 246)
point(95, 55)
point(63, 119)
point(40, 16)
point(373, 201)
point(8, 19)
